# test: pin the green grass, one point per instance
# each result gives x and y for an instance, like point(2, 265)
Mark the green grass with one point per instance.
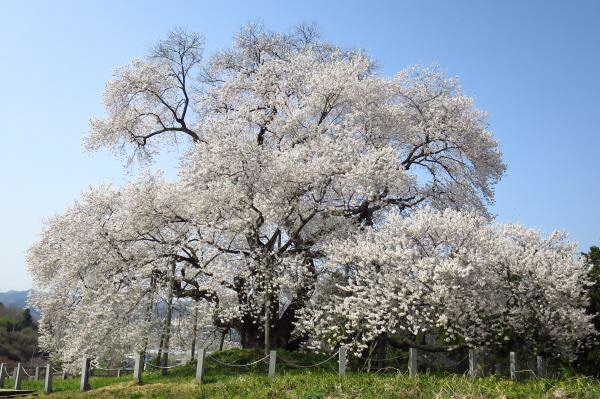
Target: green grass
point(320, 383)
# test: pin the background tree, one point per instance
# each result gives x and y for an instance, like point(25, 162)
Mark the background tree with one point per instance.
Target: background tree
point(18, 335)
point(589, 359)
point(592, 260)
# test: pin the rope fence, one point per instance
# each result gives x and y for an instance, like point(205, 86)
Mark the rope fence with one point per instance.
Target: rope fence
point(412, 367)
point(163, 367)
point(287, 362)
point(237, 365)
point(367, 365)
point(388, 359)
point(383, 369)
point(97, 367)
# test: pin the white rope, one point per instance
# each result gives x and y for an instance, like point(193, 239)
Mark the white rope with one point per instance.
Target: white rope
point(163, 351)
point(55, 370)
point(526, 371)
point(238, 365)
point(26, 373)
point(103, 369)
point(163, 367)
point(388, 368)
point(456, 363)
point(366, 365)
point(95, 365)
point(312, 365)
point(402, 356)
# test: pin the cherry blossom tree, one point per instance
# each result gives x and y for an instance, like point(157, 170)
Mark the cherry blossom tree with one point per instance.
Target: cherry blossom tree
point(295, 148)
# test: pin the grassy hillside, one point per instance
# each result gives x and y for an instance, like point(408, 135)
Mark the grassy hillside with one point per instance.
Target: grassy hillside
point(317, 383)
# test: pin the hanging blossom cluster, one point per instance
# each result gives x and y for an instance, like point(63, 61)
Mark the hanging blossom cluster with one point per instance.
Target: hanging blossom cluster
point(294, 148)
point(455, 274)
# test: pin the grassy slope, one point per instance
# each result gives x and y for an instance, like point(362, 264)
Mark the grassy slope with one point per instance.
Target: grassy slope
point(317, 383)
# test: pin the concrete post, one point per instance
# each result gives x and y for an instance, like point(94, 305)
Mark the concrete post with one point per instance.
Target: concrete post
point(118, 372)
point(200, 366)
point(272, 363)
point(84, 385)
point(64, 375)
point(138, 367)
point(37, 373)
point(472, 362)
point(412, 362)
point(343, 360)
point(19, 372)
point(48, 380)
point(3, 374)
point(513, 366)
point(541, 367)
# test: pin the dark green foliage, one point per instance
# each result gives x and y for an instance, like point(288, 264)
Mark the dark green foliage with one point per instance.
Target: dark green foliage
point(589, 361)
point(592, 259)
point(18, 334)
point(25, 320)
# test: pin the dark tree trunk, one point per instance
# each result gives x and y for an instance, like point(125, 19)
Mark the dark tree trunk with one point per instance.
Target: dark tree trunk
point(166, 337)
point(252, 335)
point(381, 352)
point(159, 354)
point(282, 322)
point(194, 335)
point(284, 327)
point(222, 340)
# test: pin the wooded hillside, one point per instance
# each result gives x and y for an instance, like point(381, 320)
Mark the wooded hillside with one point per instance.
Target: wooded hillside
point(18, 335)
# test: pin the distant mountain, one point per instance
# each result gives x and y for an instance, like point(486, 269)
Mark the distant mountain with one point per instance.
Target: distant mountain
point(14, 298)
point(17, 299)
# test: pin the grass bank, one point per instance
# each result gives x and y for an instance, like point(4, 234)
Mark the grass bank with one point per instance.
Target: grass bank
point(322, 382)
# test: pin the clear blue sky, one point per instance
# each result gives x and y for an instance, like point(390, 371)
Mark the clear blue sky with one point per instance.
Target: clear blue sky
point(533, 65)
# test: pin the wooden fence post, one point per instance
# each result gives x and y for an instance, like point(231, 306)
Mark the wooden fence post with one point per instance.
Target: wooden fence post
point(18, 377)
point(200, 366)
point(343, 359)
point(138, 367)
point(513, 366)
point(412, 362)
point(84, 384)
point(272, 363)
point(472, 362)
point(48, 379)
point(541, 367)
point(3, 374)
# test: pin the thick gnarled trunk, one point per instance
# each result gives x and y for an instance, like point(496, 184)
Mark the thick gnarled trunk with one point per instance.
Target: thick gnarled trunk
point(252, 335)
